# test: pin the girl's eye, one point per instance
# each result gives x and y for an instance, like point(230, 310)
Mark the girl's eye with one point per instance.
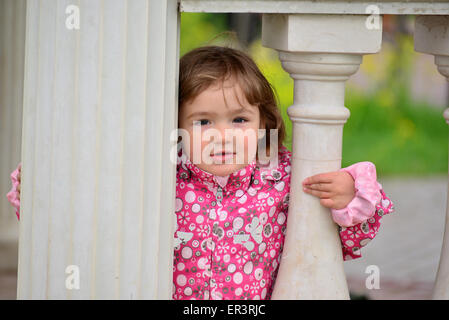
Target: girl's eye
point(201, 122)
point(240, 120)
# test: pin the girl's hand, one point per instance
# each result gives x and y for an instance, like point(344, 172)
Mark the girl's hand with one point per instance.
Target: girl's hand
point(13, 195)
point(18, 178)
point(335, 189)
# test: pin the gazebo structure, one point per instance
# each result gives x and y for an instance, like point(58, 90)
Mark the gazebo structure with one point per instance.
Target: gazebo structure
point(88, 104)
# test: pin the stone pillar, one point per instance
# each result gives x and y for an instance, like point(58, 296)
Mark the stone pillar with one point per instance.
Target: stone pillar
point(100, 103)
point(319, 52)
point(12, 50)
point(432, 37)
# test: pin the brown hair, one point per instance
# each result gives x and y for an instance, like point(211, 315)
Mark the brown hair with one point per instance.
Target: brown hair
point(205, 66)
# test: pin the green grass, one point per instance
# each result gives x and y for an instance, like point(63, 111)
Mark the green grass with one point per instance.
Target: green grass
point(400, 137)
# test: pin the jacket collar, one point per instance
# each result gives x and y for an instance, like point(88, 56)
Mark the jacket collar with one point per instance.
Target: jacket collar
point(240, 179)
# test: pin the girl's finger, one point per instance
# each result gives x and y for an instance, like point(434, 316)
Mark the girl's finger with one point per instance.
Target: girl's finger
point(318, 178)
point(316, 193)
point(320, 187)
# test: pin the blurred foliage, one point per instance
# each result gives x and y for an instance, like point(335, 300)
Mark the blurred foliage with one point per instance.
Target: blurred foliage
point(399, 135)
point(197, 29)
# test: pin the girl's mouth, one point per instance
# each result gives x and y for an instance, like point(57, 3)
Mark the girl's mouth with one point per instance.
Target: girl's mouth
point(223, 156)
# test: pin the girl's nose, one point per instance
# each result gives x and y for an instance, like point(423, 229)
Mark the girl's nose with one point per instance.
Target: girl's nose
point(225, 132)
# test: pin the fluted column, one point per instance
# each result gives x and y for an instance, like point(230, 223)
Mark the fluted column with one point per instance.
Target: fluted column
point(97, 181)
point(12, 49)
point(319, 52)
point(432, 37)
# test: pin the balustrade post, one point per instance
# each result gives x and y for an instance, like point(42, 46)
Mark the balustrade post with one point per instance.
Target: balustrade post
point(320, 52)
point(432, 37)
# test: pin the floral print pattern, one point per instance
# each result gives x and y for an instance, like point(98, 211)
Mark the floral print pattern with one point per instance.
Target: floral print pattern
point(229, 236)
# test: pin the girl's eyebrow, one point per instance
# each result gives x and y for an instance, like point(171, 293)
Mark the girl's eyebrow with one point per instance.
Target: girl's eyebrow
point(205, 113)
point(200, 113)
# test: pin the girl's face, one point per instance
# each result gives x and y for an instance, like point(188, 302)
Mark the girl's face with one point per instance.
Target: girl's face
point(221, 138)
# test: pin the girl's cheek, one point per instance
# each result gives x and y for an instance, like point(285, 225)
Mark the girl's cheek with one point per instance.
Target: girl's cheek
point(195, 148)
point(247, 146)
point(251, 138)
point(206, 145)
point(251, 147)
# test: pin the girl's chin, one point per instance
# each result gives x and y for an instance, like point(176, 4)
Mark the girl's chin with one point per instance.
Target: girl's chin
point(222, 169)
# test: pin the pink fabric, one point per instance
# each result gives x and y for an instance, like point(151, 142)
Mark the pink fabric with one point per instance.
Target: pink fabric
point(367, 196)
point(355, 237)
point(13, 194)
point(229, 240)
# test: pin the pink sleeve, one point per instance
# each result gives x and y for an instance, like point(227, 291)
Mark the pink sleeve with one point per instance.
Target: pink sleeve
point(363, 205)
point(355, 237)
point(12, 195)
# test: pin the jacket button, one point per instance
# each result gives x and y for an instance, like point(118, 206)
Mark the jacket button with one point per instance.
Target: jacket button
point(276, 174)
point(184, 175)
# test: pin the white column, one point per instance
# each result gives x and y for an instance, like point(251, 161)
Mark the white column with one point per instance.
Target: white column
point(319, 52)
point(98, 185)
point(432, 37)
point(12, 49)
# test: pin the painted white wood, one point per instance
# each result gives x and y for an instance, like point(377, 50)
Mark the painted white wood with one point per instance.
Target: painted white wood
point(320, 33)
point(12, 49)
point(318, 53)
point(432, 37)
point(407, 7)
point(97, 181)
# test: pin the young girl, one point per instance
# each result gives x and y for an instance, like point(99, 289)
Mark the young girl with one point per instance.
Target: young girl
point(231, 207)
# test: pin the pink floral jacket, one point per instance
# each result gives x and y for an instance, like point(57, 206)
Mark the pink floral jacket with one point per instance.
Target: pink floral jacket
point(230, 231)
